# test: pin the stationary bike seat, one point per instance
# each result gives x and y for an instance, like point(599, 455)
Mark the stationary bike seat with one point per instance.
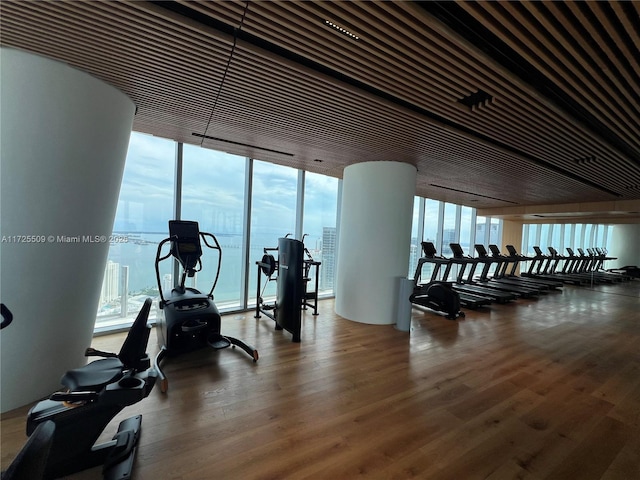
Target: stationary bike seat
point(94, 376)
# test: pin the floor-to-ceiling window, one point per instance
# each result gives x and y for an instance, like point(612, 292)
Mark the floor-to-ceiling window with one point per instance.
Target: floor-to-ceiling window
point(273, 215)
point(415, 249)
point(432, 223)
point(450, 229)
point(561, 236)
point(319, 226)
point(495, 231)
point(432, 232)
point(213, 195)
point(445, 223)
point(467, 228)
point(247, 204)
point(144, 206)
point(578, 239)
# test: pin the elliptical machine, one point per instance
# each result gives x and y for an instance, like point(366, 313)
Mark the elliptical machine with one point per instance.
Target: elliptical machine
point(188, 319)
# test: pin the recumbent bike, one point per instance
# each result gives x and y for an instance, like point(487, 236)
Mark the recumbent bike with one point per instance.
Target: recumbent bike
point(63, 430)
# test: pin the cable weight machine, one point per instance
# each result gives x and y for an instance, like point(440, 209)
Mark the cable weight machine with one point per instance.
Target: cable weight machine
point(292, 272)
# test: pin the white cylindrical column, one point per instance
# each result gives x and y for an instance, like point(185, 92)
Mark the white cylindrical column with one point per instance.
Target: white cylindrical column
point(64, 137)
point(375, 240)
point(624, 245)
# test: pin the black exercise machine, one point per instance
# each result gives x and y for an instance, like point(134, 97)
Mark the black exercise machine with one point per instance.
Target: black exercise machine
point(69, 423)
point(292, 274)
point(543, 266)
point(467, 300)
point(468, 285)
point(7, 316)
point(512, 260)
point(188, 319)
point(497, 281)
point(516, 258)
point(434, 295)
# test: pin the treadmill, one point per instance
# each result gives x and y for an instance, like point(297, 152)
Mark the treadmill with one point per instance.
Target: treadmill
point(468, 285)
point(586, 265)
point(542, 267)
point(516, 258)
point(430, 256)
point(580, 272)
point(603, 256)
point(525, 291)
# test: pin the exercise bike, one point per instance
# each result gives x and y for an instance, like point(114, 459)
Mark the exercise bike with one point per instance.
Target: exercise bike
point(188, 319)
point(63, 430)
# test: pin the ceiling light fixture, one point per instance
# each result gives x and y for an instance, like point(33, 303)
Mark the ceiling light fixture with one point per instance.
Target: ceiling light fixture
point(344, 31)
point(207, 137)
point(477, 100)
point(471, 193)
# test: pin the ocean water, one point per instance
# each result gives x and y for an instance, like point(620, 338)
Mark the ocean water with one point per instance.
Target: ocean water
point(139, 252)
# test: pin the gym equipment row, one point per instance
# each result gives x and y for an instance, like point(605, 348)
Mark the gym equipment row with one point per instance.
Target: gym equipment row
point(581, 269)
point(443, 295)
point(545, 273)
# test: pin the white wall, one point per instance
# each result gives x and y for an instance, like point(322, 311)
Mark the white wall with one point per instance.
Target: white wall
point(625, 245)
point(64, 138)
point(375, 240)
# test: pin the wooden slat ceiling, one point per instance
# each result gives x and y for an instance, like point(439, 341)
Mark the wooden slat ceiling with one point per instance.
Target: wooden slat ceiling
point(496, 103)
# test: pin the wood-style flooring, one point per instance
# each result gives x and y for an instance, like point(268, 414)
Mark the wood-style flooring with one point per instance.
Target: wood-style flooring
point(533, 389)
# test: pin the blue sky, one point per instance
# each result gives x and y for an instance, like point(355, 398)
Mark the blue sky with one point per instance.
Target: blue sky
point(213, 187)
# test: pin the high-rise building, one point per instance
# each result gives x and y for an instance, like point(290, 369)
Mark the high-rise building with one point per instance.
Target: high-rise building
point(329, 247)
point(167, 283)
point(414, 254)
point(110, 283)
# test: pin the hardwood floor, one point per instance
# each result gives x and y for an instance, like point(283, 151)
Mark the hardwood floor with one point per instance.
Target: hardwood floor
point(534, 389)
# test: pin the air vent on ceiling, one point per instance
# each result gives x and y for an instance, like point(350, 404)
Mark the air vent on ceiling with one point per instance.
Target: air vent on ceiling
point(632, 187)
point(477, 100)
point(342, 30)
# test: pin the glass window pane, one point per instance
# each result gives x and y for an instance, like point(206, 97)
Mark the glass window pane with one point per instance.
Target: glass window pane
point(544, 238)
point(273, 215)
point(145, 205)
point(568, 240)
point(579, 237)
point(532, 240)
point(431, 209)
point(466, 241)
point(415, 251)
point(588, 236)
point(607, 237)
point(449, 229)
point(495, 231)
point(213, 195)
point(430, 234)
point(556, 233)
point(481, 229)
point(599, 241)
point(319, 226)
